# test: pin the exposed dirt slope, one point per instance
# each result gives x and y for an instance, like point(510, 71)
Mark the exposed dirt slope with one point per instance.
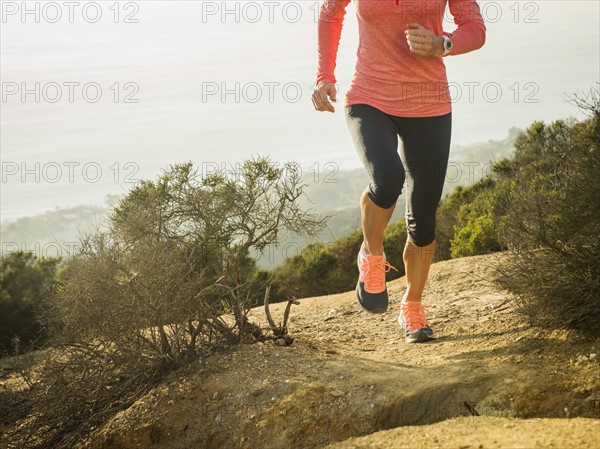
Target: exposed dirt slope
point(349, 381)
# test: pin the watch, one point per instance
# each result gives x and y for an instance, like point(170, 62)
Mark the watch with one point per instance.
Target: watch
point(447, 45)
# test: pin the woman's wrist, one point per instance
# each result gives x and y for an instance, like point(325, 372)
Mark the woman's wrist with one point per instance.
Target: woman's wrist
point(438, 45)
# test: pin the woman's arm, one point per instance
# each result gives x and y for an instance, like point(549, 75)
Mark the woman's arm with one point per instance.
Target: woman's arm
point(331, 19)
point(470, 34)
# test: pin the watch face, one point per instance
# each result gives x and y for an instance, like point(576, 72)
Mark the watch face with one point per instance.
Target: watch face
point(447, 44)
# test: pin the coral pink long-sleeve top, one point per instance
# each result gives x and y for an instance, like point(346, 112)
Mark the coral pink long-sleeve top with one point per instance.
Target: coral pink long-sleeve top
point(387, 74)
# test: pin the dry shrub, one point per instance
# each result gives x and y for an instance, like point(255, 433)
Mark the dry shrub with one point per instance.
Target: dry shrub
point(168, 282)
point(552, 224)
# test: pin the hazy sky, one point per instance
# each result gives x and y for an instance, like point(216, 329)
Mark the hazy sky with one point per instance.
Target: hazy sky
point(163, 75)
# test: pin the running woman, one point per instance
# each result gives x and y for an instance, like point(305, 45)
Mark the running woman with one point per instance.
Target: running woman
point(399, 89)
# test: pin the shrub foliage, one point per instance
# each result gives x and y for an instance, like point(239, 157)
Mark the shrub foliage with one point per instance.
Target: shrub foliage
point(552, 221)
point(25, 282)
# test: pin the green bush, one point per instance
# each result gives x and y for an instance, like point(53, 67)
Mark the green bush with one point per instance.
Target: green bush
point(475, 230)
point(326, 268)
point(394, 239)
point(26, 282)
point(447, 219)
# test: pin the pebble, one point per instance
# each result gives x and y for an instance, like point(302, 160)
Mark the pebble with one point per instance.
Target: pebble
point(337, 393)
point(258, 392)
point(593, 356)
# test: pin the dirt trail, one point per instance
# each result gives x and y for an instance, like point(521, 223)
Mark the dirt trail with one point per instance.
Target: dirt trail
point(349, 381)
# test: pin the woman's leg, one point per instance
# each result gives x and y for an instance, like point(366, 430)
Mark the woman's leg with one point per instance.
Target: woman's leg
point(426, 149)
point(375, 137)
point(417, 260)
point(374, 221)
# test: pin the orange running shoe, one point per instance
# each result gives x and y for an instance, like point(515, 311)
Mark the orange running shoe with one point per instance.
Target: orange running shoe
point(413, 321)
point(371, 291)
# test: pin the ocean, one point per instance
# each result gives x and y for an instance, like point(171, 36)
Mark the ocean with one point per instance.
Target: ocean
point(100, 95)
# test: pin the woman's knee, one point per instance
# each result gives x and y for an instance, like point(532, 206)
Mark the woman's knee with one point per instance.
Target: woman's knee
point(421, 228)
point(385, 191)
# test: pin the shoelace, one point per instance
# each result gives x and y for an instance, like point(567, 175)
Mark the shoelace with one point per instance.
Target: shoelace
point(375, 274)
point(413, 313)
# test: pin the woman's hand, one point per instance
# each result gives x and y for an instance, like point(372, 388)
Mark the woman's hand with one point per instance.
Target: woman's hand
point(422, 41)
point(319, 97)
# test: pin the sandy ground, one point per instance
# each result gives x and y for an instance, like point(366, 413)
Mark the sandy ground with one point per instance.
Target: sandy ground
point(349, 381)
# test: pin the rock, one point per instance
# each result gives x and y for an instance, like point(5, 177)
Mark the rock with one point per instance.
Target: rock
point(593, 356)
point(337, 393)
point(258, 392)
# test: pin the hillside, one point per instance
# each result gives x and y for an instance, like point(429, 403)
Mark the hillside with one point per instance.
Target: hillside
point(349, 381)
point(329, 191)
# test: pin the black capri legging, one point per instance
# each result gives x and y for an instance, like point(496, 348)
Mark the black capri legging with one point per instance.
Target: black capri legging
point(422, 162)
